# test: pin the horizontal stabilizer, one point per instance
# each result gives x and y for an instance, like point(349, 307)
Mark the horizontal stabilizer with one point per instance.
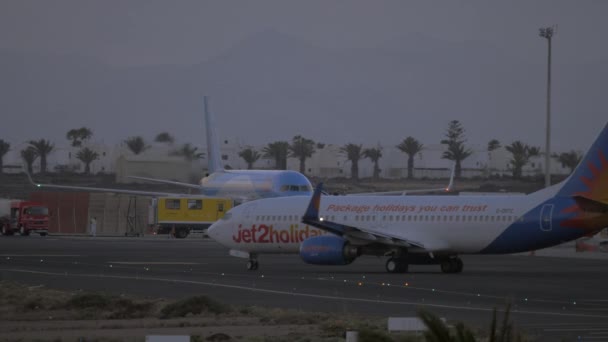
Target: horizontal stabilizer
point(591, 205)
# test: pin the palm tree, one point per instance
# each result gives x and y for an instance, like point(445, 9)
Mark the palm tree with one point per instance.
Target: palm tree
point(569, 159)
point(78, 135)
point(374, 154)
point(29, 155)
point(493, 145)
point(353, 153)
point(302, 149)
point(250, 156)
point(136, 144)
point(87, 156)
point(43, 147)
point(521, 154)
point(411, 147)
point(456, 150)
point(164, 137)
point(4, 148)
point(278, 151)
point(189, 152)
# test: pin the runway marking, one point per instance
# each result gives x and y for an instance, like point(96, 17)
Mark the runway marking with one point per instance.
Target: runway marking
point(39, 255)
point(307, 295)
point(153, 263)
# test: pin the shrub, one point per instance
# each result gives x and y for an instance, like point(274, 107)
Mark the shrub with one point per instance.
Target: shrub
point(193, 305)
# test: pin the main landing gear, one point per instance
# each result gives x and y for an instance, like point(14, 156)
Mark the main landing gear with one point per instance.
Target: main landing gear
point(451, 265)
point(252, 264)
point(396, 265)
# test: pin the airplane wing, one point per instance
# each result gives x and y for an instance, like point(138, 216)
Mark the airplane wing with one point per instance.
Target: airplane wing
point(165, 181)
point(312, 218)
point(93, 189)
point(409, 192)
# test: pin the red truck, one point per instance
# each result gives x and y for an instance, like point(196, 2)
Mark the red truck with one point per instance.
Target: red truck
point(24, 217)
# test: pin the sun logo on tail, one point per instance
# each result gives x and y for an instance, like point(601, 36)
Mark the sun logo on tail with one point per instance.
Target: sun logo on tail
point(595, 180)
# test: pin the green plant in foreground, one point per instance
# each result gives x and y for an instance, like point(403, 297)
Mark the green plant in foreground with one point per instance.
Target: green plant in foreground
point(438, 331)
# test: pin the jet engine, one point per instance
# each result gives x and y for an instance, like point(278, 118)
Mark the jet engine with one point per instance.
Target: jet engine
point(328, 250)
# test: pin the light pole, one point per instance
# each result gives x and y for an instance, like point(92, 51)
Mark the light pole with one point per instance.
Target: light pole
point(547, 32)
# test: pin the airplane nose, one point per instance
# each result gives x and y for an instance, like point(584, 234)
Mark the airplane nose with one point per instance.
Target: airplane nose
point(213, 230)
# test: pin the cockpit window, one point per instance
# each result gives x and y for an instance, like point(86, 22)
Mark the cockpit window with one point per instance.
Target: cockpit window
point(285, 188)
point(227, 216)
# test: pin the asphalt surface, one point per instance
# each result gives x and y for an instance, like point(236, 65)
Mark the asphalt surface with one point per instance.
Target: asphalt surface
point(553, 298)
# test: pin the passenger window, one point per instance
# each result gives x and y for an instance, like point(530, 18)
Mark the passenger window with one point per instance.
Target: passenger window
point(172, 204)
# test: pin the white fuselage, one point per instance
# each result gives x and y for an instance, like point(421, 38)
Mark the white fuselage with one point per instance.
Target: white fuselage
point(458, 224)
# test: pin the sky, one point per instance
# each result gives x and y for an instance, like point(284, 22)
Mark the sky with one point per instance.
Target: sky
point(149, 33)
point(184, 32)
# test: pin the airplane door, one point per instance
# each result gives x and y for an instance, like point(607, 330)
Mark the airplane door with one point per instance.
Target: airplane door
point(249, 212)
point(546, 214)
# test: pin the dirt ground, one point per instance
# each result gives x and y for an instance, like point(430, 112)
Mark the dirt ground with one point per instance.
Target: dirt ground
point(35, 313)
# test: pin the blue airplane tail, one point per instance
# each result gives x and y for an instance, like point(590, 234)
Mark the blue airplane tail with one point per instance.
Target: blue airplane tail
point(213, 146)
point(590, 178)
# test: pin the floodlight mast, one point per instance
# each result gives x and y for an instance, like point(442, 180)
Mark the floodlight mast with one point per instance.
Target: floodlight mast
point(547, 33)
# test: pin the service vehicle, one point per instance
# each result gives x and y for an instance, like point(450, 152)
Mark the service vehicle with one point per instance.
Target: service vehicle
point(180, 216)
point(23, 217)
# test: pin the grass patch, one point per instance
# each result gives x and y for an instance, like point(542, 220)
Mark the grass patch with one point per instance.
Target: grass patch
point(193, 306)
point(89, 301)
point(99, 305)
point(129, 309)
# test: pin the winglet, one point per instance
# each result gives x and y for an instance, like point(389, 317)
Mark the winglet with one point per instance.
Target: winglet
point(312, 212)
point(451, 183)
point(29, 177)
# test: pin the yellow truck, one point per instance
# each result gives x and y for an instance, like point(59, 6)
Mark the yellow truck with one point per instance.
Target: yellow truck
point(181, 215)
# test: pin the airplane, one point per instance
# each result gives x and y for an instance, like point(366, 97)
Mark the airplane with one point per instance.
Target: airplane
point(241, 185)
point(336, 230)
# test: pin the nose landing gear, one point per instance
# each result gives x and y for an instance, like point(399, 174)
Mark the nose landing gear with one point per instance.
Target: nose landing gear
point(452, 265)
point(252, 264)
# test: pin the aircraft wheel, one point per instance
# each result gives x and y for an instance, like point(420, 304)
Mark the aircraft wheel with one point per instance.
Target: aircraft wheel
point(459, 265)
point(252, 265)
point(396, 266)
point(452, 265)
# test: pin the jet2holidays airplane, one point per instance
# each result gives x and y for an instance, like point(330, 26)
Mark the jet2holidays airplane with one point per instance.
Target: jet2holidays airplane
point(335, 230)
point(241, 185)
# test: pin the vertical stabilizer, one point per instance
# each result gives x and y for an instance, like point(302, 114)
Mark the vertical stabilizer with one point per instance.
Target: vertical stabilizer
point(590, 178)
point(214, 156)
